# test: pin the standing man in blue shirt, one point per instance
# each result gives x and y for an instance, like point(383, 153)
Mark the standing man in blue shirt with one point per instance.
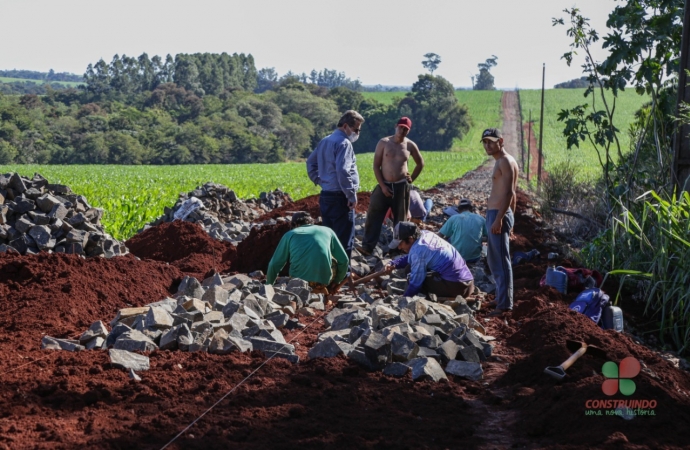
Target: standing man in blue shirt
point(332, 165)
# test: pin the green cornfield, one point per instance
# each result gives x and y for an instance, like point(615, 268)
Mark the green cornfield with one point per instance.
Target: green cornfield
point(555, 146)
point(135, 195)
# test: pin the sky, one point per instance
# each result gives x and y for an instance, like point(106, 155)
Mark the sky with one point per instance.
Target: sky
point(375, 41)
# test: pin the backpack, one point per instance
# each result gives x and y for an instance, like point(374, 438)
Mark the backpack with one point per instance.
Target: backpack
point(591, 303)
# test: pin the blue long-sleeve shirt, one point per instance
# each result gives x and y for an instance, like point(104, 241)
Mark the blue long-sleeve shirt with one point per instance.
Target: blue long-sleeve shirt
point(430, 252)
point(333, 166)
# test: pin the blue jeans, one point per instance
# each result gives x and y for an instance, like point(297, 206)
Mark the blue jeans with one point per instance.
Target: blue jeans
point(498, 258)
point(428, 204)
point(338, 217)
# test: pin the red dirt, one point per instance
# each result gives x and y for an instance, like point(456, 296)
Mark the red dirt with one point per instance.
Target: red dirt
point(184, 245)
point(256, 250)
point(311, 205)
point(77, 400)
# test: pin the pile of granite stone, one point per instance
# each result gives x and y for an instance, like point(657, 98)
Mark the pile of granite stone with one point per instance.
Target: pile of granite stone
point(38, 216)
point(222, 314)
point(220, 212)
point(400, 334)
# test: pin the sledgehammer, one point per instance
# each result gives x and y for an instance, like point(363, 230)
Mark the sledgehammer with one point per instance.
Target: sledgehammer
point(558, 372)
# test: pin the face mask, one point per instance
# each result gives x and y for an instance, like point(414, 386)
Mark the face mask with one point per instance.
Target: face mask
point(352, 137)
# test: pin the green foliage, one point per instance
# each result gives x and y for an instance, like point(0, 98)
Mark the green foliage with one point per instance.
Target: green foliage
point(437, 116)
point(431, 62)
point(576, 83)
point(135, 195)
point(652, 242)
point(484, 80)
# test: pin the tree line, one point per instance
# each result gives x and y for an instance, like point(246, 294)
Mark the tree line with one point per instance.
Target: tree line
point(208, 108)
point(51, 75)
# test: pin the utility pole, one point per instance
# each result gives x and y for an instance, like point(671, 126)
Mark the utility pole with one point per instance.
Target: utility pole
point(529, 142)
point(541, 129)
point(681, 142)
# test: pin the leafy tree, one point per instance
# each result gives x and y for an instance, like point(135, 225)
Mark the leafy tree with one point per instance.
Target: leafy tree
point(345, 98)
point(485, 81)
point(7, 152)
point(431, 62)
point(267, 79)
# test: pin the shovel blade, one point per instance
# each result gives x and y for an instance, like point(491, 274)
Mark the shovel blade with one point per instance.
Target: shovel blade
point(555, 372)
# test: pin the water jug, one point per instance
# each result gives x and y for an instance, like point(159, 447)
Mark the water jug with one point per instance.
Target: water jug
point(557, 279)
point(612, 318)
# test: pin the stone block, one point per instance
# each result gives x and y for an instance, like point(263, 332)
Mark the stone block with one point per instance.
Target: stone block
point(23, 225)
point(283, 299)
point(216, 296)
point(214, 280)
point(128, 313)
point(361, 358)
point(402, 348)
point(169, 339)
point(46, 203)
point(96, 343)
point(273, 335)
point(432, 319)
point(127, 360)
point(428, 353)
point(328, 348)
point(430, 342)
point(396, 369)
point(135, 341)
point(448, 351)
point(267, 345)
point(231, 308)
point(239, 280)
point(267, 291)
point(469, 370)
point(427, 369)
point(195, 304)
point(378, 350)
point(190, 287)
point(417, 307)
point(115, 333)
point(97, 329)
point(158, 317)
point(51, 343)
point(214, 317)
point(279, 319)
point(468, 354)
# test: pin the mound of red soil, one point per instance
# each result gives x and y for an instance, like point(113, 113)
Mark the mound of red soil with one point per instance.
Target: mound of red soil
point(62, 294)
point(256, 250)
point(556, 410)
point(184, 245)
point(311, 205)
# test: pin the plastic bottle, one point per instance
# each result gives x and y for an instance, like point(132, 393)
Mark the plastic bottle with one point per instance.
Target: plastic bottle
point(555, 277)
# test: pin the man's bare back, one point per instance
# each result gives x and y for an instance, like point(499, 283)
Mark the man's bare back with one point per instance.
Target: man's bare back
point(390, 160)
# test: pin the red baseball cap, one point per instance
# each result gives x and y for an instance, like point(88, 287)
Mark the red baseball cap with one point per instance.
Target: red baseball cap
point(405, 122)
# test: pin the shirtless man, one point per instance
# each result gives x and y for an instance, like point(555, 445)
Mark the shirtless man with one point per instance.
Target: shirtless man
point(500, 219)
point(393, 190)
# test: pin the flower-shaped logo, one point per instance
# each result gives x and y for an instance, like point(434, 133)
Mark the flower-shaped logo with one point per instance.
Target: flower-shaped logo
point(620, 380)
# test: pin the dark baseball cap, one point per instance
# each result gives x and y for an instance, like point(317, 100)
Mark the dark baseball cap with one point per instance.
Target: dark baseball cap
point(465, 202)
point(492, 134)
point(405, 122)
point(402, 231)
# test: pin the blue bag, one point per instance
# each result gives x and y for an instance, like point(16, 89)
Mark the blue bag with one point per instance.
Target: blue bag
point(591, 303)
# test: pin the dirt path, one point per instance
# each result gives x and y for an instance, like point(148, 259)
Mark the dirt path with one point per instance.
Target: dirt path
point(511, 125)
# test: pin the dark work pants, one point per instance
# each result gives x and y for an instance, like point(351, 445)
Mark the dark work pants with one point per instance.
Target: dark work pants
point(338, 217)
point(378, 207)
point(498, 258)
point(434, 284)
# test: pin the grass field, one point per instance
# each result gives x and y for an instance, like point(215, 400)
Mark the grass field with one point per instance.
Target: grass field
point(135, 195)
point(555, 144)
point(12, 80)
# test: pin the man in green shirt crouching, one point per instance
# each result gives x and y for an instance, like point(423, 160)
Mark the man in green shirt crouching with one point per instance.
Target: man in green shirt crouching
point(314, 252)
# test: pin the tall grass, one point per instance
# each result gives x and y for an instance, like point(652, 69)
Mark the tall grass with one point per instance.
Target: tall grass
point(653, 242)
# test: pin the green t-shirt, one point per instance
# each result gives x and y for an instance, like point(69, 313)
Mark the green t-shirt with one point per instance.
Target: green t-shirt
point(465, 232)
point(309, 249)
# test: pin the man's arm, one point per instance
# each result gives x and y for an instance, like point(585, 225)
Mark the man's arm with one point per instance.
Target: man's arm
point(417, 276)
point(279, 259)
point(418, 159)
point(506, 193)
point(313, 167)
point(344, 160)
point(378, 163)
